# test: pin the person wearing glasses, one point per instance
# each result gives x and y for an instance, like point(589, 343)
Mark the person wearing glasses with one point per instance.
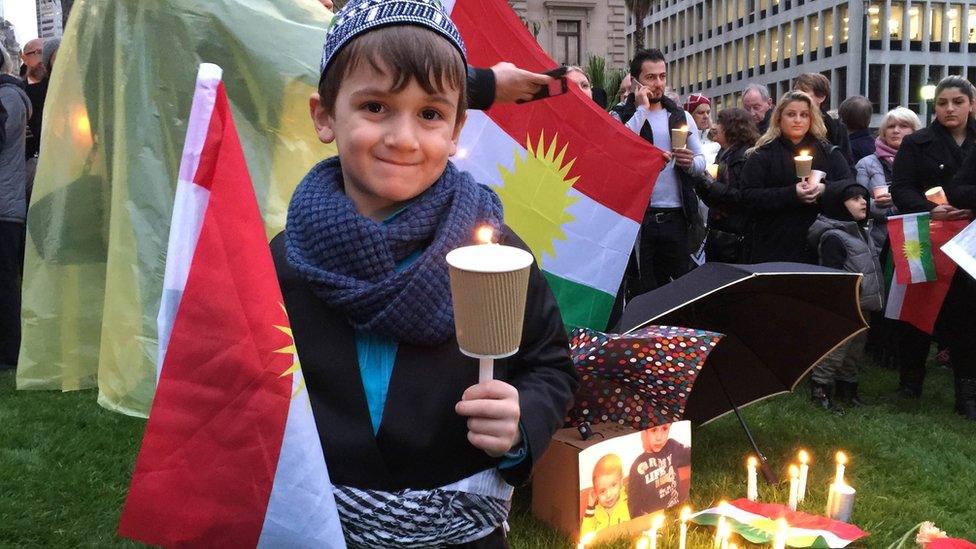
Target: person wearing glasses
point(36, 80)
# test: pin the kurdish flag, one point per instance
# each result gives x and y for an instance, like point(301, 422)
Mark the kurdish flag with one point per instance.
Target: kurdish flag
point(230, 456)
point(919, 303)
point(757, 522)
point(574, 182)
point(911, 248)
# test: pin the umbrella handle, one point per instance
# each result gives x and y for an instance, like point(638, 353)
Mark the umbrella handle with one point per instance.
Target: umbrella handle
point(767, 471)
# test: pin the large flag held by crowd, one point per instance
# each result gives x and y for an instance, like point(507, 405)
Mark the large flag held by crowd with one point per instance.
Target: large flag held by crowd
point(231, 454)
point(573, 183)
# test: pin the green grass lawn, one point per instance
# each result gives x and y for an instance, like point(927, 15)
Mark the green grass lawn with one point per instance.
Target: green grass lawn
point(65, 465)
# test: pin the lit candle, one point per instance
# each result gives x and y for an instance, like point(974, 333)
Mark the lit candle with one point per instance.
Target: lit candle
point(720, 527)
point(679, 138)
point(794, 486)
point(804, 473)
point(712, 170)
point(841, 463)
point(752, 485)
point(937, 195)
point(586, 540)
point(655, 526)
point(642, 542)
point(725, 535)
point(683, 535)
point(804, 163)
point(782, 534)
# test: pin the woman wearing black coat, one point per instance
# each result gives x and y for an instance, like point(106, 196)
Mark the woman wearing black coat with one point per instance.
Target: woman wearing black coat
point(782, 206)
point(931, 157)
point(727, 219)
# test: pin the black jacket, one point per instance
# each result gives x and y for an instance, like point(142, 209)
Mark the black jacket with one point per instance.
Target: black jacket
point(481, 88)
point(763, 124)
point(724, 195)
point(862, 144)
point(422, 442)
point(780, 220)
point(837, 134)
point(927, 158)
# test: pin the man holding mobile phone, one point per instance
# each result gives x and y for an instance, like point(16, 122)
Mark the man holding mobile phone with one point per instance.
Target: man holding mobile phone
point(663, 248)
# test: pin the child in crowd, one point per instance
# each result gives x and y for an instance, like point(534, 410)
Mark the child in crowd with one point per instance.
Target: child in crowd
point(419, 453)
point(841, 235)
point(661, 476)
point(607, 502)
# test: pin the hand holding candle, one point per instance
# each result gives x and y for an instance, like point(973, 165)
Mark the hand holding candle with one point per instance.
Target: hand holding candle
point(752, 484)
point(804, 474)
point(936, 195)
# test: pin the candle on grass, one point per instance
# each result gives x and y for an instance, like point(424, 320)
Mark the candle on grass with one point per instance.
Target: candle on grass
point(720, 526)
point(794, 486)
point(656, 525)
point(585, 540)
point(782, 534)
point(841, 459)
point(683, 535)
point(752, 484)
point(804, 473)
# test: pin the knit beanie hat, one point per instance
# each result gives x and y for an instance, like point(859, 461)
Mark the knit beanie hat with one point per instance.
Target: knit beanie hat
point(694, 100)
point(361, 16)
point(50, 46)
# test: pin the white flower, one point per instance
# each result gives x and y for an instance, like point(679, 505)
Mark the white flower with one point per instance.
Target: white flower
point(927, 533)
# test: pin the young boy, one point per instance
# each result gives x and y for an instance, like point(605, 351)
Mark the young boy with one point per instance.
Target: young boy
point(841, 235)
point(419, 453)
point(661, 476)
point(607, 502)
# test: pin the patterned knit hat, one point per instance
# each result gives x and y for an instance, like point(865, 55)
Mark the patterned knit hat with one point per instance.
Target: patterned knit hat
point(361, 16)
point(694, 100)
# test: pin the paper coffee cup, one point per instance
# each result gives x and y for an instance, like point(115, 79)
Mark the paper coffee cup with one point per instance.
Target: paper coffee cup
point(803, 164)
point(489, 283)
point(937, 195)
point(679, 138)
point(879, 191)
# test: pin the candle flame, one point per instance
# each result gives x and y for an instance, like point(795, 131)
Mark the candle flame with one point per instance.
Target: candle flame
point(685, 513)
point(841, 458)
point(752, 462)
point(587, 539)
point(794, 471)
point(804, 153)
point(485, 234)
point(684, 127)
point(642, 543)
point(657, 523)
point(804, 457)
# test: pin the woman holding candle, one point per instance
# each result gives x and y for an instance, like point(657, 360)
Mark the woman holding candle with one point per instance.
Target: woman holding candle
point(727, 218)
point(782, 205)
point(929, 158)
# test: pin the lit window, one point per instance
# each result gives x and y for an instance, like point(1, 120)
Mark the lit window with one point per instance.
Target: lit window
point(895, 20)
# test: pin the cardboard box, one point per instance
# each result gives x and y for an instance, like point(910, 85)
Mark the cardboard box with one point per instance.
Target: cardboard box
point(559, 493)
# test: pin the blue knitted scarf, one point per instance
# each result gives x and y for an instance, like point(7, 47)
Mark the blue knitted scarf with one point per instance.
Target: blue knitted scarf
point(349, 260)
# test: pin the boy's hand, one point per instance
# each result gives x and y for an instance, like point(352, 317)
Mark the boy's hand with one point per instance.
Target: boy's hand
point(493, 414)
point(513, 84)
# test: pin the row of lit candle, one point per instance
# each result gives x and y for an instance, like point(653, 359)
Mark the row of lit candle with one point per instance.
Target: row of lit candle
point(840, 496)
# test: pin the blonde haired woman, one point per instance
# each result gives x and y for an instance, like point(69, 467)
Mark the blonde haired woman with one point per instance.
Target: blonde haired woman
point(783, 207)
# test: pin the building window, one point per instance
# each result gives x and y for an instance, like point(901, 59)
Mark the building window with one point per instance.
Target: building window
point(801, 39)
point(827, 17)
point(740, 63)
point(896, 77)
point(774, 42)
point(895, 22)
point(840, 81)
point(955, 27)
point(972, 27)
point(914, 86)
point(787, 45)
point(568, 42)
point(844, 22)
point(751, 51)
point(814, 33)
point(935, 30)
point(874, 86)
point(874, 21)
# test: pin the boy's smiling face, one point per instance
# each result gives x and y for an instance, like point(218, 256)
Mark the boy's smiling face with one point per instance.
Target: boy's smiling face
point(393, 144)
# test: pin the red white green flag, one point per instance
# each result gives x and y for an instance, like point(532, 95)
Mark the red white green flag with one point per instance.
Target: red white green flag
point(911, 248)
point(574, 182)
point(758, 523)
point(918, 303)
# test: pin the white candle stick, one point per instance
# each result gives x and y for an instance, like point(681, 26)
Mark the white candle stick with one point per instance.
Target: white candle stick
point(719, 528)
point(841, 463)
point(683, 535)
point(585, 540)
point(752, 484)
point(794, 486)
point(656, 525)
point(804, 474)
point(782, 534)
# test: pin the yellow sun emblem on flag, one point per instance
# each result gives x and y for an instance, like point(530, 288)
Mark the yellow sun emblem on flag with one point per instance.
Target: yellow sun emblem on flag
point(536, 195)
point(292, 351)
point(912, 249)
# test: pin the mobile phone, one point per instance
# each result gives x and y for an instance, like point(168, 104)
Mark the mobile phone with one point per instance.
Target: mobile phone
point(557, 86)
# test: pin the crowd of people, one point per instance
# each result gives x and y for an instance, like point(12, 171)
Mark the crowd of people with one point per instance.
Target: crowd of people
point(759, 210)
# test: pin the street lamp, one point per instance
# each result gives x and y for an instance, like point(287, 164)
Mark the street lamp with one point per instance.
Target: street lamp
point(927, 93)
